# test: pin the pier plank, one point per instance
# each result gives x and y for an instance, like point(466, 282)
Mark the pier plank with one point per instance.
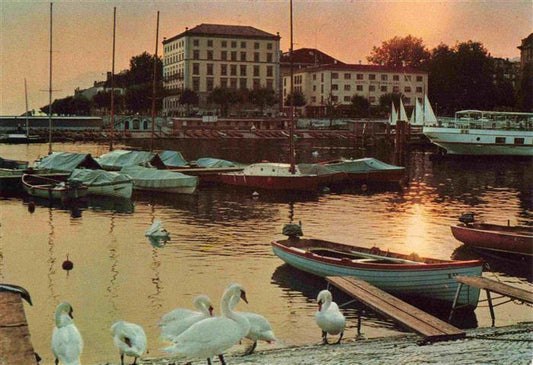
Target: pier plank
point(430, 327)
point(497, 287)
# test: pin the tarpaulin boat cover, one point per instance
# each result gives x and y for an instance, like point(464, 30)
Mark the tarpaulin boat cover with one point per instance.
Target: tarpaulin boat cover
point(98, 177)
point(67, 161)
point(158, 179)
point(172, 158)
point(315, 169)
point(361, 165)
point(213, 162)
point(117, 159)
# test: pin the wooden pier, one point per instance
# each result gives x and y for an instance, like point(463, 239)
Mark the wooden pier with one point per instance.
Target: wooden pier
point(431, 328)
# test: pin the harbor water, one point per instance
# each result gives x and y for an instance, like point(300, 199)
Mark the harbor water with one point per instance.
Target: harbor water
point(222, 235)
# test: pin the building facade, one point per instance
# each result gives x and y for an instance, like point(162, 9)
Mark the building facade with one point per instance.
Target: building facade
point(338, 83)
point(211, 55)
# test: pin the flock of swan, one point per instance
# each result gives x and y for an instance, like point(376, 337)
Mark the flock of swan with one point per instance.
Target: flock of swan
point(193, 334)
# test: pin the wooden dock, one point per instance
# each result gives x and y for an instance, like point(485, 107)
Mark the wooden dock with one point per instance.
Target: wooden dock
point(426, 325)
point(15, 341)
point(489, 286)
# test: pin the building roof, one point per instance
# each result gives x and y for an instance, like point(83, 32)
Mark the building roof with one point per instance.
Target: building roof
point(527, 42)
point(234, 31)
point(367, 68)
point(309, 56)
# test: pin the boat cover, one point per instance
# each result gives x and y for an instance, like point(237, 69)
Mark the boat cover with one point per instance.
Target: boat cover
point(117, 159)
point(213, 162)
point(67, 161)
point(315, 169)
point(172, 158)
point(98, 177)
point(362, 165)
point(158, 179)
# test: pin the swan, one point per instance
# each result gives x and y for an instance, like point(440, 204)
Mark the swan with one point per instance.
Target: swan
point(130, 339)
point(213, 336)
point(260, 328)
point(328, 317)
point(175, 322)
point(67, 343)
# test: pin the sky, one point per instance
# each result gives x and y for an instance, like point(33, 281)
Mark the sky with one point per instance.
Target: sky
point(344, 29)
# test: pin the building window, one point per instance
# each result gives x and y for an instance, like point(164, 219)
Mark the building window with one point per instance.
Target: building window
point(224, 55)
point(270, 71)
point(196, 54)
point(314, 77)
point(347, 76)
point(313, 99)
point(256, 71)
point(256, 56)
point(314, 87)
point(224, 69)
point(347, 99)
point(395, 89)
point(270, 84)
point(519, 141)
point(322, 88)
point(383, 88)
point(359, 87)
point(347, 87)
point(224, 44)
point(243, 70)
point(407, 77)
point(233, 44)
point(359, 76)
point(334, 75)
point(372, 99)
point(233, 70)
point(196, 69)
point(196, 83)
point(372, 76)
point(395, 77)
point(209, 83)
point(334, 98)
point(209, 55)
point(256, 45)
point(209, 43)
point(243, 56)
point(224, 83)
point(334, 87)
point(242, 83)
point(419, 78)
point(233, 55)
point(269, 57)
point(196, 42)
point(233, 83)
point(210, 69)
point(372, 88)
point(243, 44)
point(322, 77)
point(407, 89)
point(407, 101)
point(419, 89)
point(384, 77)
point(269, 45)
point(500, 139)
point(257, 84)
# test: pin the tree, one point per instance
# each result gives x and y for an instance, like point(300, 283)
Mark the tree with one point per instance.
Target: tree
point(524, 94)
point(332, 108)
point(400, 51)
point(263, 97)
point(360, 106)
point(299, 99)
point(71, 105)
point(142, 69)
point(188, 97)
point(386, 100)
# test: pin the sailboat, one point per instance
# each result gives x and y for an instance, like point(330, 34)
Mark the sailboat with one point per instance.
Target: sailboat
point(284, 176)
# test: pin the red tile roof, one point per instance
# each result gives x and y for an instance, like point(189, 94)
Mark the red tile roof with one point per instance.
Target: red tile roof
point(234, 31)
point(309, 56)
point(356, 67)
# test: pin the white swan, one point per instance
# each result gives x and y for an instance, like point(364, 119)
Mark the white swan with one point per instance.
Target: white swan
point(260, 328)
point(130, 340)
point(328, 317)
point(175, 322)
point(213, 336)
point(67, 343)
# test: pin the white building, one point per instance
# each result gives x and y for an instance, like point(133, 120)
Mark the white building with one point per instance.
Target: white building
point(211, 55)
point(341, 82)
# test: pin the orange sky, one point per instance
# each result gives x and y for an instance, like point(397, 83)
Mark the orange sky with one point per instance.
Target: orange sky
point(345, 29)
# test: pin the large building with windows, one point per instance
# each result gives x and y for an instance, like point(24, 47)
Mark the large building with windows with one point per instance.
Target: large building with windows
point(211, 55)
point(338, 83)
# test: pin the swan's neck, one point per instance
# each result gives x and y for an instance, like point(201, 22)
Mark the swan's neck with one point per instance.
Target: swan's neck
point(326, 305)
point(62, 320)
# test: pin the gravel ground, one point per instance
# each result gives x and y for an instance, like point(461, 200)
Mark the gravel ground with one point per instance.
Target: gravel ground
point(503, 345)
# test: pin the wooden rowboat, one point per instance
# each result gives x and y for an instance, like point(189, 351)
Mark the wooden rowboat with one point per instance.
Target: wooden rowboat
point(47, 188)
point(397, 274)
point(496, 238)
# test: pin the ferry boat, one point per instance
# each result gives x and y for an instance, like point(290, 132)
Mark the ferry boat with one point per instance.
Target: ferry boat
point(476, 132)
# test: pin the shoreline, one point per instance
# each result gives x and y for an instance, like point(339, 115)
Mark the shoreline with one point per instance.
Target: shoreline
point(491, 345)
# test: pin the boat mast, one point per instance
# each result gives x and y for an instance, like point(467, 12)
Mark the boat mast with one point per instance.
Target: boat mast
point(291, 133)
point(154, 85)
point(112, 121)
point(50, 90)
point(26, 97)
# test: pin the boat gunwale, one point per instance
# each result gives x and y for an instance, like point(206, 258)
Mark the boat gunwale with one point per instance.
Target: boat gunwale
point(520, 230)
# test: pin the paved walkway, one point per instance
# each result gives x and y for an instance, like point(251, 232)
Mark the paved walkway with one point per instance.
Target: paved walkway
point(503, 345)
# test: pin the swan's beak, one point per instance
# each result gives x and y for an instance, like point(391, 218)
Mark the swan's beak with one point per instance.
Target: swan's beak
point(211, 311)
point(320, 305)
point(70, 313)
point(243, 296)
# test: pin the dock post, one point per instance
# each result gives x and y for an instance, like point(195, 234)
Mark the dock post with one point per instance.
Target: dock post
point(455, 299)
point(489, 299)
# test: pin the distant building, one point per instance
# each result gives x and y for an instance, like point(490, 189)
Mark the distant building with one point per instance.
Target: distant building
point(98, 86)
point(526, 51)
point(505, 71)
point(304, 58)
point(9, 124)
point(212, 55)
point(341, 82)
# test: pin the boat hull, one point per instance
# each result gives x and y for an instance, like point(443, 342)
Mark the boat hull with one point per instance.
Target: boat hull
point(300, 183)
point(53, 191)
point(119, 190)
point(433, 281)
point(496, 238)
point(172, 190)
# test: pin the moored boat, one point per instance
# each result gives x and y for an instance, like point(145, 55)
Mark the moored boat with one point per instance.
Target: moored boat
point(101, 182)
point(398, 274)
point(162, 181)
point(47, 188)
point(367, 170)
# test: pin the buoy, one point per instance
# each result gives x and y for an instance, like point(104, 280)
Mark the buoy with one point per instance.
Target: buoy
point(255, 194)
point(364, 187)
point(67, 265)
point(31, 207)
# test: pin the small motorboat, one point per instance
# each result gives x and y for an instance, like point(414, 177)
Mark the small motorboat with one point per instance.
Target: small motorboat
point(397, 274)
point(367, 170)
point(496, 238)
point(48, 188)
point(101, 182)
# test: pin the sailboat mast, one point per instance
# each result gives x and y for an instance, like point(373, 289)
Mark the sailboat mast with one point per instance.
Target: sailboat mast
point(154, 85)
point(26, 97)
point(112, 121)
point(291, 133)
point(50, 89)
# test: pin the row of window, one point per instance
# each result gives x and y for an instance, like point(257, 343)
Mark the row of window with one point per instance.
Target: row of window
point(243, 69)
point(224, 56)
point(233, 44)
point(348, 99)
point(230, 83)
point(371, 88)
point(360, 76)
point(502, 140)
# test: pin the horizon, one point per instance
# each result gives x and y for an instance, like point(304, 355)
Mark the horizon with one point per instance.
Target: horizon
point(85, 29)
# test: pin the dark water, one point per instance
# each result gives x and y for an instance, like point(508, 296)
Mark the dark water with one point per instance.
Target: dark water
point(221, 235)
